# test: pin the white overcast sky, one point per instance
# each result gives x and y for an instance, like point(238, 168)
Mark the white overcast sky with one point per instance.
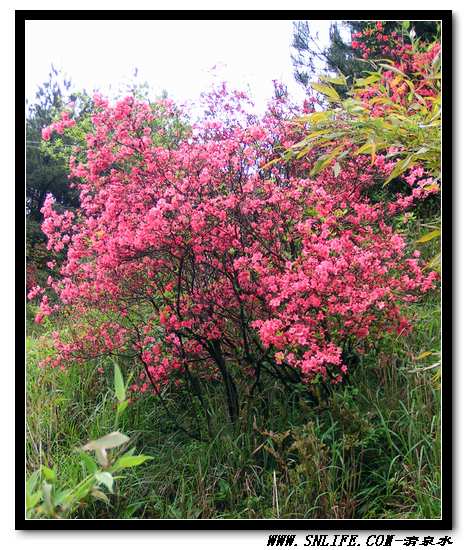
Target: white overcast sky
point(173, 55)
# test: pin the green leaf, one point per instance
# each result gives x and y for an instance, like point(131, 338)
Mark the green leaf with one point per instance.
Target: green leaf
point(49, 474)
point(60, 497)
point(89, 463)
point(325, 160)
point(32, 499)
point(105, 478)
point(337, 80)
point(369, 147)
point(77, 493)
point(118, 383)
point(32, 481)
point(363, 82)
point(319, 116)
point(311, 212)
point(429, 236)
point(121, 407)
point(435, 262)
point(399, 168)
point(131, 461)
point(328, 91)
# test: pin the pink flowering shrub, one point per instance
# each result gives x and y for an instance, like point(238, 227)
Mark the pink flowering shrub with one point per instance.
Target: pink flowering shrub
point(199, 264)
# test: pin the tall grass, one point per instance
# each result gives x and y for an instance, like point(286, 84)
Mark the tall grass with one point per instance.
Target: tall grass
point(371, 449)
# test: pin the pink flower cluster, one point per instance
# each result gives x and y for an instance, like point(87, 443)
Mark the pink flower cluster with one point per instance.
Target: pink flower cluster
point(374, 42)
point(196, 260)
point(58, 126)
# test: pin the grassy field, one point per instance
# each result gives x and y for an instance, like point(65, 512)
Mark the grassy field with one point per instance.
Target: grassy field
point(371, 449)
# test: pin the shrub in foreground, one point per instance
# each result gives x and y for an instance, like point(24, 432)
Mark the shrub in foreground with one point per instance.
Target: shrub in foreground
point(199, 264)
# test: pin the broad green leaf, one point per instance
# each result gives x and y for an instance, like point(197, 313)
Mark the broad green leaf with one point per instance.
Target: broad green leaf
point(328, 91)
point(325, 160)
point(429, 236)
point(32, 481)
point(362, 82)
point(435, 262)
point(77, 493)
point(423, 355)
point(121, 407)
point(89, 463)
point(383, 100)
point(49, 474)
point(319, 116)
point(118, 383)
point(47, 497)
point(337, 80)
point(399, 168)
point(369, 147)
point(60, 497)
point(32, 499)
point(354, 107)
point(131, 461)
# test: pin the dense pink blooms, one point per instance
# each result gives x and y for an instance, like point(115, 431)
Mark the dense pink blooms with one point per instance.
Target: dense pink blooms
point(58, 126)
point(196, 259)
point(408, 59)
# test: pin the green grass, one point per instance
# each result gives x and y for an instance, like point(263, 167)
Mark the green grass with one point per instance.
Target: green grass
point(371, 450)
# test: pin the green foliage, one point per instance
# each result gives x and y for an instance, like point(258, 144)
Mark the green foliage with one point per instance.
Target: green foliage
point(51, 496)
point(413, 129)
point(408, 131)
point(47, 497)
point(367, 449)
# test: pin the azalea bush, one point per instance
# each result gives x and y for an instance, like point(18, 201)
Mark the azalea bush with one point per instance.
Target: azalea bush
point(201, 263)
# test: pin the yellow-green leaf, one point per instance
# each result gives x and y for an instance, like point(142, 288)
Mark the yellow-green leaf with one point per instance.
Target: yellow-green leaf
point(337, 80)
point(362, 82)
point(328, 91)
point(399, 168)
point(319, 116)
point(325, 160)
point(118, 383)
point(429, 236)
